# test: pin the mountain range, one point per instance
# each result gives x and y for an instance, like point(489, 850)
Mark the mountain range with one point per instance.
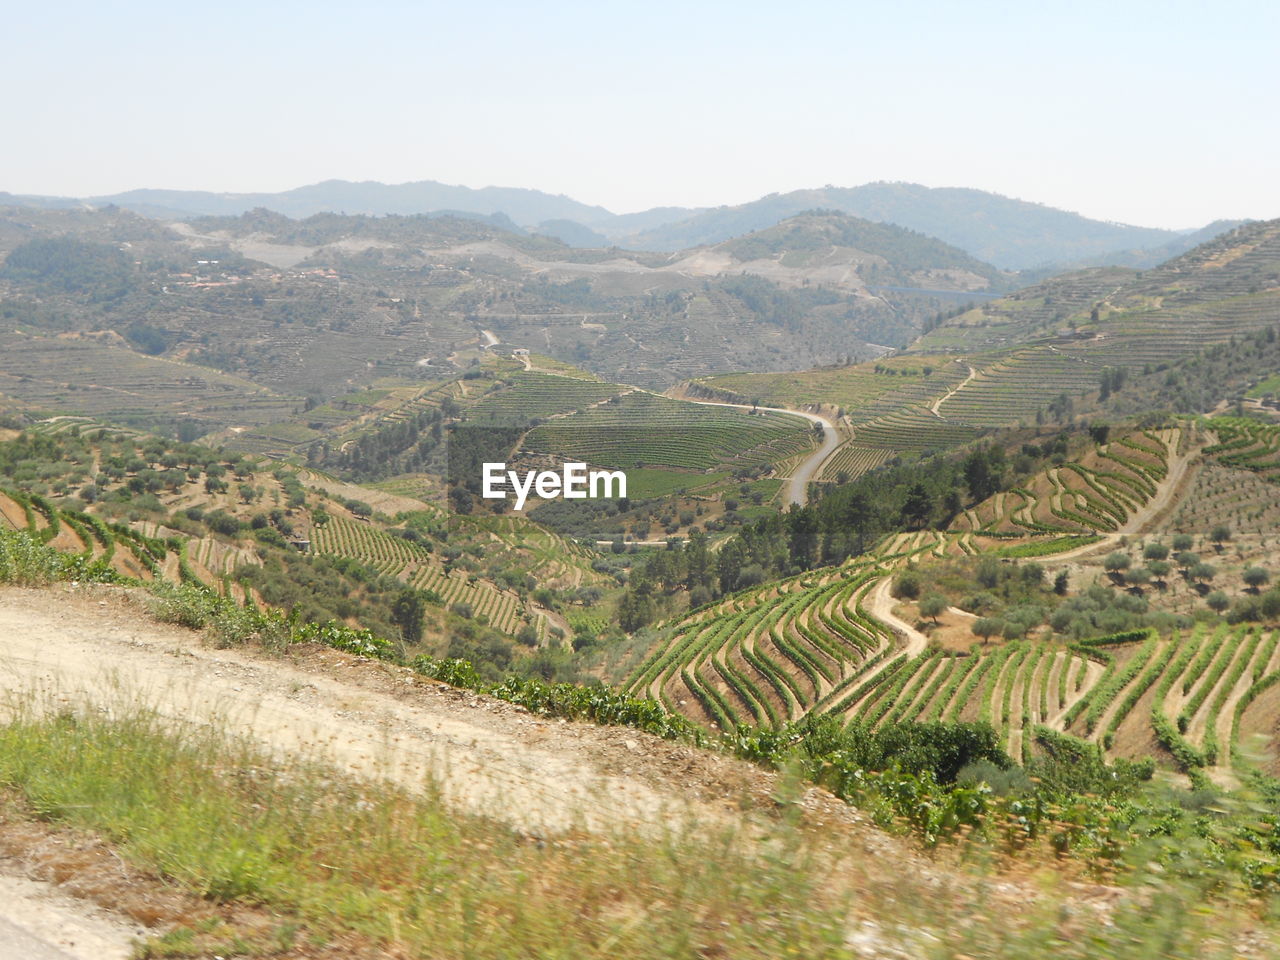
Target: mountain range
point(1008, 233)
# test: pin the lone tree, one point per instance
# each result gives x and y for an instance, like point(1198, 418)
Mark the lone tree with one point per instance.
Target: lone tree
point(1217, 601)
point(407, 612)
point(1137, 577)
point(1255, 578)
point(987, 627)
point(1220, 535)
point(1116, 564)
point(1155, 551)
point(932, 605)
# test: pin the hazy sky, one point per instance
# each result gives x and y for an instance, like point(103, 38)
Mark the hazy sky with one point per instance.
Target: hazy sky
point(1155, 113)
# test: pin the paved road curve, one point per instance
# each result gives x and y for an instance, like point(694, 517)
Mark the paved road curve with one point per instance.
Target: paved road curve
point(798, 486)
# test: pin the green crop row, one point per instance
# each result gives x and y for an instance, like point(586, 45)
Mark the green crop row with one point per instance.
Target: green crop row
point(1155, 668)
point(1165, 730)
point(1111, 685)
point(1209, 746)
point(1216, 670)
point(956, 677)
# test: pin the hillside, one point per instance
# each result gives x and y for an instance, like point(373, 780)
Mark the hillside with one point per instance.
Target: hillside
point(288, 312)
point(831, 248)
point(513, 794)
point(256, 533)
point(1187, 336)
point(1012, 234)
point(834, 641)
point(1018, 634)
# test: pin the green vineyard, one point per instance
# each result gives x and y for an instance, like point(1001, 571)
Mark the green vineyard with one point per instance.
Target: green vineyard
point(641, 429)
point(407, 561)
point(810, 645)
point(1101, 491)
point(1247, 445)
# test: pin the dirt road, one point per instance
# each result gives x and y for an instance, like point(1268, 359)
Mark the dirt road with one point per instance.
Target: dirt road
point(94, 645)
point(39, 923)
point(934, 407)
point(880, 604)
point(537, 774)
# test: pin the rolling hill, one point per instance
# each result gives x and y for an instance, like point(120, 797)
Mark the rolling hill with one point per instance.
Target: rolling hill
point(330, 304)
point(1012, 234)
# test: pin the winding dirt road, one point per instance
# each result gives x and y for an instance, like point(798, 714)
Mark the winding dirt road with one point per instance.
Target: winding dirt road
point(880, 605)
point(934, 407)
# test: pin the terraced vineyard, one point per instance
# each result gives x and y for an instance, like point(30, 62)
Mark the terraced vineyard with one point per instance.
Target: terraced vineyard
point(1035, 346)
point(550, 559)
point(641, 429)
point(891, 383)
point(1099, 492)
point(407, 561)
point(1011, 389)
point(809, 644)
point(853, 459)
point(49, 373)
point(812, 643)
point(770, 655)
point(143, 553)
point(147, 551)
point(1246, 444)
point(523, 396)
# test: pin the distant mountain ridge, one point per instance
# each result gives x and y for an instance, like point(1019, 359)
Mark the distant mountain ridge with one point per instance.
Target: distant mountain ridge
point(526, 207)
point(1010, 234)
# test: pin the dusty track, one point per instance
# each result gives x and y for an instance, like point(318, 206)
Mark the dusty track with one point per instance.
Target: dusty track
point(488, 757)
point(94, 645)
point(880, 605)
point(1169, 491)
point(40, 923)
point(934, 407)
point(536, 774)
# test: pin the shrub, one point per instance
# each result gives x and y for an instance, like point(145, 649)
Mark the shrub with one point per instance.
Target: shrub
point(907, 585)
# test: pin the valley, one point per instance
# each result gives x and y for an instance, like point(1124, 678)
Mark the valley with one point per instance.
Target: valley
point(975, 554)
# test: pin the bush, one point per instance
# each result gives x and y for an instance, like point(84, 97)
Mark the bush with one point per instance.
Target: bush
point(907, 585)
point(1155, 551)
